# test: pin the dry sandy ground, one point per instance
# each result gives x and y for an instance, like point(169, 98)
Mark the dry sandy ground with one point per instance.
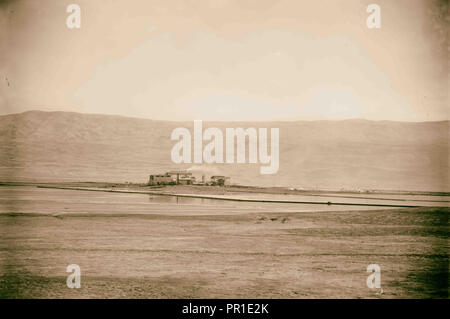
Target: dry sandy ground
point(221, 255)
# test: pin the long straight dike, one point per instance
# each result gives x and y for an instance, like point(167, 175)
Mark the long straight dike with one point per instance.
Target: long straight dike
point(227, 198)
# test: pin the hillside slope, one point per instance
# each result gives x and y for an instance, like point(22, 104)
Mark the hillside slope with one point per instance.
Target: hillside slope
point(351, 154)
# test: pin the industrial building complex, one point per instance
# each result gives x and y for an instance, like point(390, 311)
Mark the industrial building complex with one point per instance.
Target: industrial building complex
point(186, 178)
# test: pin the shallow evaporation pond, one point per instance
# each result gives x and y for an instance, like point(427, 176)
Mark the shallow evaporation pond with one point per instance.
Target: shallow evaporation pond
point(46, 200)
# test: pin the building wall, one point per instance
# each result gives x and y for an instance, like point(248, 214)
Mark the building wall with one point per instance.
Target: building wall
point(158, 180)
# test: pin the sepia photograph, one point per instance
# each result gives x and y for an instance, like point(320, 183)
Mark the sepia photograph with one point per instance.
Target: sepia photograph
point(224, 149)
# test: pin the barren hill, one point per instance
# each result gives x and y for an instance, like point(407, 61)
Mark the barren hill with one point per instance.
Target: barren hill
point(351, 154)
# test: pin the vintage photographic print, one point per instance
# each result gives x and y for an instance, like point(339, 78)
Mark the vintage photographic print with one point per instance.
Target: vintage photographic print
point(224, 149)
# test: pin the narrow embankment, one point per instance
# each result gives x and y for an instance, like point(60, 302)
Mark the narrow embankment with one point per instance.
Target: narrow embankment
point(230, 198)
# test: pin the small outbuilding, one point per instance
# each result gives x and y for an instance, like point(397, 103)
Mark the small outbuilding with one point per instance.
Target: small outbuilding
point(220, 180)
point(162, 179)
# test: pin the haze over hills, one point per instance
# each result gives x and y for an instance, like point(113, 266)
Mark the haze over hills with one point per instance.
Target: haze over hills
point(350, 154)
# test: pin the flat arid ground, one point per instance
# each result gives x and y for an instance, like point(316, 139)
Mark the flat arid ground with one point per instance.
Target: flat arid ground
point(141, 246)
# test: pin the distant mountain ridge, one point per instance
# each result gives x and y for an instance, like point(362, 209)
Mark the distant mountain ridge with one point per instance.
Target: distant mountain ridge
point(350, 154)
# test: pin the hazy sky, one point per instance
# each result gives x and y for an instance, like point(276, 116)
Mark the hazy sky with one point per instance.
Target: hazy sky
point(227, 60)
